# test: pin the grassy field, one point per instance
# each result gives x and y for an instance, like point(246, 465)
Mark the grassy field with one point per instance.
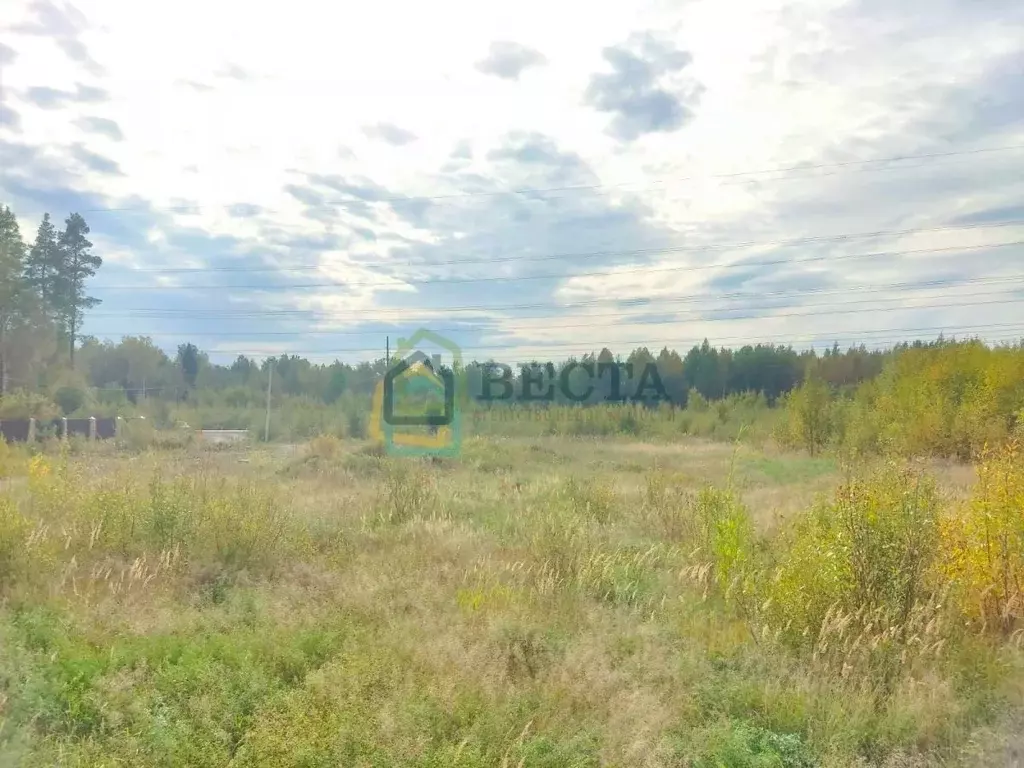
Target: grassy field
point(541, 601)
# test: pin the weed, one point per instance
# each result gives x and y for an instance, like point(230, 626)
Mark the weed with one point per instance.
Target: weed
point(523, 650)
point(172, 608)
point(588, 501)
point(407, 493)
point(327, 447)
point(744, 745)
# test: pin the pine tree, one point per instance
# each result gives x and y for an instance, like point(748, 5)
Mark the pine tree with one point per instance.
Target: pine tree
point(12, 250)
point(76, 264)
point(12, 257)
point(42, 264)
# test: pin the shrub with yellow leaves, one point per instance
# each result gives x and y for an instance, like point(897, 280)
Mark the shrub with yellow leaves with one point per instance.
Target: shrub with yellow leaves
point(983, 542)
point(39, 467)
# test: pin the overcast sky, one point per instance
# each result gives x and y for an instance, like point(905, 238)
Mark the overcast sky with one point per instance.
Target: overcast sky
point(529, 178)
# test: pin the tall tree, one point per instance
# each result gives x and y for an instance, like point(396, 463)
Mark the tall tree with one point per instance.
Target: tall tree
point(76, 264)
point(135, 364)
point(12, 256)
point(188, 359)
point(42, 263)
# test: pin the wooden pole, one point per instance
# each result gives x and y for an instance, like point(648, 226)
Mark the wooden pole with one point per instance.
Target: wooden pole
point(270, 386)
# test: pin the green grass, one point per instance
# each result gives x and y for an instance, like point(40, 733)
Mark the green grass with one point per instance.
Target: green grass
point(785, 471)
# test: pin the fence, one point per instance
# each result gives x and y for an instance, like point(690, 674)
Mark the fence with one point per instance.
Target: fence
point(18, 430)
point(28, 430)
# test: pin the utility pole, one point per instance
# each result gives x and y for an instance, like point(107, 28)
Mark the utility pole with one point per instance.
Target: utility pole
point(270, 387)
point(387, 351)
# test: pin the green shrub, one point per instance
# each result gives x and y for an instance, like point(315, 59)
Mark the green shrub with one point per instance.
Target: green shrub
point(744, 745)
point(14, 532)
point(810, 422)
point(725, 533)
point(25, 405)
point(864, 556)
point(69, 399)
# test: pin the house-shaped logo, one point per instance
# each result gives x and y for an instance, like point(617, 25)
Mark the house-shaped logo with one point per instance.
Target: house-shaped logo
point(415, 408)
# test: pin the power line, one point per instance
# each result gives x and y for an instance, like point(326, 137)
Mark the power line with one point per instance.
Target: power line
point(600, 254)
point(820, 334)
point(761, 317)
point(647, 304)
point(623, 318)
point(615, 273)
point(528, 350)
point(619, 185)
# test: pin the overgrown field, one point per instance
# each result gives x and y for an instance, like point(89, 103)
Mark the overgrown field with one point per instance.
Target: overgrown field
point(542, 601)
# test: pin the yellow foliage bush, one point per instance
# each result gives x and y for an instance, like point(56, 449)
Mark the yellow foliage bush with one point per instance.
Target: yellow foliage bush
point(493, 597)
point(39, 468)
point(14, 531)
point(870, 549)
point(983, 542)
point(949, 399)
point(943, 399)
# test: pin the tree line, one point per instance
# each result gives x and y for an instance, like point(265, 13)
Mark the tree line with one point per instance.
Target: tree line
point(43, 296)
point(135, 369)
point(712, 372)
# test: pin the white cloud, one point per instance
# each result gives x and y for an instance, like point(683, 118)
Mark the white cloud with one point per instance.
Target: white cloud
point(234, 109)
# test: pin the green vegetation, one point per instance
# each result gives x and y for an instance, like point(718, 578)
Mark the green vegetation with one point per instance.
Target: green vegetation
point(947, 399)
point(43, 298)
point(545, 601)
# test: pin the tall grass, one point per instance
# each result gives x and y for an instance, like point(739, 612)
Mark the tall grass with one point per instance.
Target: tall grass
point(66, 531)
point(177, 610)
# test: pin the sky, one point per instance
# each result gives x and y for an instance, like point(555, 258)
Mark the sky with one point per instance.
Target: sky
point(529, 179)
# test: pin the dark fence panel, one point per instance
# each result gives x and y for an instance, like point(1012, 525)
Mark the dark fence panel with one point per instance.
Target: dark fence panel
point(78, 427)
point(19, 430)
point(106, 429)
point(46, 429)
point(15, 430)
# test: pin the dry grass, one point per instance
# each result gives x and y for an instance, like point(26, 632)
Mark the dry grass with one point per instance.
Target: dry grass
point(532, 603)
